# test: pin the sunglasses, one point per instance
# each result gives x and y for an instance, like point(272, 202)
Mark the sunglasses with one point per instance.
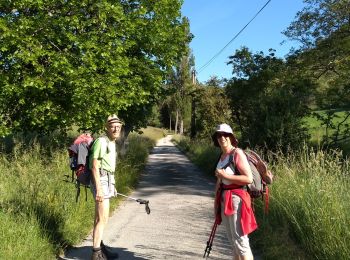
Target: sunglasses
point(219, 135)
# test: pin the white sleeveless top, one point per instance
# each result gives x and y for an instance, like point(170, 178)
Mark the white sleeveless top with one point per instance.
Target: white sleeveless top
point(228, 169)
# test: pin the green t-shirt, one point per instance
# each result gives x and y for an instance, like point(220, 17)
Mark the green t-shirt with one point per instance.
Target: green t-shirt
point(105, 152)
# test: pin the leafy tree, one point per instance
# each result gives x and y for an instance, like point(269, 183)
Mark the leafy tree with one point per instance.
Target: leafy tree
point(267, 100)
point(246, 89)
point(212, 108)
point(74, 62)
point(323, 29)
point(166, 109)
point(318, 20)
point(179, 87)
point(214, 81)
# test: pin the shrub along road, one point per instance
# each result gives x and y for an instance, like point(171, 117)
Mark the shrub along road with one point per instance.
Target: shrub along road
point(181, 202)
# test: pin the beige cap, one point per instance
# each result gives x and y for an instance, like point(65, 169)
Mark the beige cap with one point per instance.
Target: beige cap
point(114, 119)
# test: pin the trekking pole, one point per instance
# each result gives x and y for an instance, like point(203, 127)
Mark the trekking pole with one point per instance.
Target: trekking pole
point(210, 240)
point(141, 201)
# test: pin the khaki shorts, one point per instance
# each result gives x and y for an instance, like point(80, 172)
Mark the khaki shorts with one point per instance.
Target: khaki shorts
point(239, 242)
point(107, 184)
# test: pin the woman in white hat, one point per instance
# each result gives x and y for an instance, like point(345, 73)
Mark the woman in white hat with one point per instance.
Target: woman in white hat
point(233, 203)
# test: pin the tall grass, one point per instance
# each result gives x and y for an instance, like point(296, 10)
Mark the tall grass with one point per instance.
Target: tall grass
point(311, 196)
point(309, 203)
point(132, 163)
point(38, 213)
point(199, 152)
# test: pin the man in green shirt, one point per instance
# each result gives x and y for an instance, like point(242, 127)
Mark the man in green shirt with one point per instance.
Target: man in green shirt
point(102, 164)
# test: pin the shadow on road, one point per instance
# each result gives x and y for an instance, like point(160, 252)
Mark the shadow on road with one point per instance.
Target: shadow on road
point(170, 168)
point(84, 253)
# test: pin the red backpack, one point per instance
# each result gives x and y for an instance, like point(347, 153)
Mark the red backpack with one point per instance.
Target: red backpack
point(79, 153)
point(262, 176)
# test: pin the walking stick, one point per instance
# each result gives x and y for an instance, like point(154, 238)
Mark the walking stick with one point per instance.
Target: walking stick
point(210, 240)
point(141, 201)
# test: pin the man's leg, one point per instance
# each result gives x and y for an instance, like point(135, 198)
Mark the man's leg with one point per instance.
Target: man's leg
point(101, 218)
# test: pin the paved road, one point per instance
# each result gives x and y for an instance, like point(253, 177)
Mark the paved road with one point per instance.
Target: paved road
point(181, 202)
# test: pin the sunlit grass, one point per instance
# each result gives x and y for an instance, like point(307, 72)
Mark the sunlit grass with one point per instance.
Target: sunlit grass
point(317, 130)
point(36, 191)
point(154, 133)
point(311, 195)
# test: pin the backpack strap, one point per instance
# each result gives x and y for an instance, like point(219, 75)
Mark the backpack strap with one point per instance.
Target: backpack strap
point(231, 162)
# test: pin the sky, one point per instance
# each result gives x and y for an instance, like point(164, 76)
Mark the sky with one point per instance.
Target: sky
point(214, 23)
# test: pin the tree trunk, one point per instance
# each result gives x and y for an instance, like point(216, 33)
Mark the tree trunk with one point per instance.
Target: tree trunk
point(181, 126)
point(122, 142)
point(176, 121)
point(193, 117)
point(170, 123)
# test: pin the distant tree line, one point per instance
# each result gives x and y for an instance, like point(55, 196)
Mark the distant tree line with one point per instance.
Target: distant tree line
point(71, 63)
point(268, 98)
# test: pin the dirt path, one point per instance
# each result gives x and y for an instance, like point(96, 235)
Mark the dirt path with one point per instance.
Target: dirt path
point(181, 203)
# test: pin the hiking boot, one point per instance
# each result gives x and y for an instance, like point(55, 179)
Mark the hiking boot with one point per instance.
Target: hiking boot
point(98, 255)
point(108, 252)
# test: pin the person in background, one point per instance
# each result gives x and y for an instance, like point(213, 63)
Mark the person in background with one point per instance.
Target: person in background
point(233, 202)
point(102, 162)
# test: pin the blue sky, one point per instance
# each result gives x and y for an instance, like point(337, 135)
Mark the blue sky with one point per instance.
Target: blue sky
point(215, 22)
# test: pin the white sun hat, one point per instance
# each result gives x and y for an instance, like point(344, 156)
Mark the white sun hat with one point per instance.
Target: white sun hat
point(224, 128)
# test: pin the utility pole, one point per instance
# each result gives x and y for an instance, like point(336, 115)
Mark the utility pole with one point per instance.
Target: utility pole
point(193, 108)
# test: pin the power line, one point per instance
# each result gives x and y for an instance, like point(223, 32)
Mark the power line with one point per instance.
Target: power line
point(217, 54)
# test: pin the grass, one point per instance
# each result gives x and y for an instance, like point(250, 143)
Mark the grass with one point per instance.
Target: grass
point(36, 191)
point(318, 131)
point(311, 197)
point(154, 133)
point(309, 203)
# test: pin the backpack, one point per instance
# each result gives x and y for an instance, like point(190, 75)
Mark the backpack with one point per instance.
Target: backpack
point(262, 177)
point(79, 152)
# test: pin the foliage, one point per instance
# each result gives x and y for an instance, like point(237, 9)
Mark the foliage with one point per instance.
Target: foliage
point(314, 211)
point(323, 29)
point(318, 20)
point(212, 108)
point(214, 81)
point(203, 105)
point(178, 90)
point(66, 62)
point(267, 100)
point(336, 125)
